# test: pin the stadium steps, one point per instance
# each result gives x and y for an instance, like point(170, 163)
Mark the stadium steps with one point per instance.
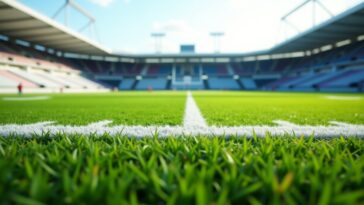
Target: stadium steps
point(5, 82)
point(34, 77)
point(230, 69)
point(345, 75)
point(145, 70)
point(152, 83)
point(85, 81)
point(12, 76)
point(240, 84)
point(206, 84)
point(134, 85)
point(70, 81)
point(352, 81)
point(298, 80)
point(316, 79)
point(126, 83)
point(223, 83)
point(169, 84)
point(110, 83)
point(274, 64)
point(54, 79)
point(248, 83)
point(276, 84)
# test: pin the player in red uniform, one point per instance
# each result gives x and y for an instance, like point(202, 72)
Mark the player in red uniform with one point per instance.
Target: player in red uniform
point(20, 89)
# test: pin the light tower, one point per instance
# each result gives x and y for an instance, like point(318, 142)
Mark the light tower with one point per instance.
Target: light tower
point(313, 13)
point(217, 37)
point(66, 7)
point(158, 37)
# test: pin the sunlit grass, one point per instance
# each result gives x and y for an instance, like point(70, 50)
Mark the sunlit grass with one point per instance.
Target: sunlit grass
point(184, 170)
point(131, 108)
point(251, 108)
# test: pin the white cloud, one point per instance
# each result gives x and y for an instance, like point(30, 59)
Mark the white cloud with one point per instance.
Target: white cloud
point(104, 3)
point(248, 26)
point(171, 25)
point(181, 32)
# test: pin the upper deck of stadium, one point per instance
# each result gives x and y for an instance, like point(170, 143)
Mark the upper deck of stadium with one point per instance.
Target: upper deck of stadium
point(20, 22)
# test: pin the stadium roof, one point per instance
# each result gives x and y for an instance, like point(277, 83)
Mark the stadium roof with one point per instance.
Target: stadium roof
point(18, 21)
point(346, 25)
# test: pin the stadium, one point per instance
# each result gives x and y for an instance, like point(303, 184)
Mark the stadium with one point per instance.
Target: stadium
point(81, 123)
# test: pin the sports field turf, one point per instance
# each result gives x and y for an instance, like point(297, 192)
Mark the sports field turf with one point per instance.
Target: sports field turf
point(79, 169)
point(188, 170)
point(131, 108)
point(167, 108)
point(251, 108)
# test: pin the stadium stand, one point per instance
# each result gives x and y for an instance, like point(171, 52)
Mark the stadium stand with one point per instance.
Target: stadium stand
point(152, 83)
point(37, 71)
point(223, 83)
point(248, 84)
point(44, 64)
point(126, 84)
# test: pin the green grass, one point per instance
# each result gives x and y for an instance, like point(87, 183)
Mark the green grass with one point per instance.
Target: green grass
point(251, 108)
point(167, 108)
point(75, 169)
point(131, 108)
point(198, 170)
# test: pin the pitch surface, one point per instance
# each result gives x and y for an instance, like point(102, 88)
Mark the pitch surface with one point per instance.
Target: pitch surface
point(167, 108)
point(130, 108)
point(252, 108)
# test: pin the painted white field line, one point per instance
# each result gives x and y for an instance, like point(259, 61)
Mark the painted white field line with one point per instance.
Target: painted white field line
point(193, 125)
point(193, 117)
point(334, 97)
point(20, 98)
point(335, 129)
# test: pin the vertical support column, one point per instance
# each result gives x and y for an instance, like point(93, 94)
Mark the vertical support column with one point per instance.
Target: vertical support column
point(173, 74)
point(66, 15)
point(200, 69)
point(313, 13)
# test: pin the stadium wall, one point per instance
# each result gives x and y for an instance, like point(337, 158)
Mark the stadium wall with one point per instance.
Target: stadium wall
point(335, 70)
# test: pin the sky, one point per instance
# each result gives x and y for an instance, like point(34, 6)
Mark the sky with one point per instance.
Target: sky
point(125, 26)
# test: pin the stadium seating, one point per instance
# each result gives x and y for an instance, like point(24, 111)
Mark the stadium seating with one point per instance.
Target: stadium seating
point(9, 76)
point(159, 70)
point(223, 83)
point(126, 84)
point(39, 70)
point(5, 82)
point(35, 78)
point(339, 68)
point(189, 87)
point(215, 69)
point(244, 69)
point(265, 66)
point(248, 84)
point(343, 82)
point(157, 83)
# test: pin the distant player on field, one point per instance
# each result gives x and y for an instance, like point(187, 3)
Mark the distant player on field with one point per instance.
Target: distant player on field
point(20, 89)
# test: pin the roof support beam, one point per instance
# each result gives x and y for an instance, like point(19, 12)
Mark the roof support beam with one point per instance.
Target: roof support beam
point(19, 30)
point(295, 9)
point(54, 36)
point(15, 20)
point(70, 41)
point(25, 36)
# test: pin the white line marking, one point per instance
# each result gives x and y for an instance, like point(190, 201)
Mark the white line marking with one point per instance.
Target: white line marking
point(26, 98)
point(334, 97)
point(194, 125)
point(335, 129)
point(193, 117)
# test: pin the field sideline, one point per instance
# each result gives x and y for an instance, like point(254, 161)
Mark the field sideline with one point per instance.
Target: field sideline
point(177, 113)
